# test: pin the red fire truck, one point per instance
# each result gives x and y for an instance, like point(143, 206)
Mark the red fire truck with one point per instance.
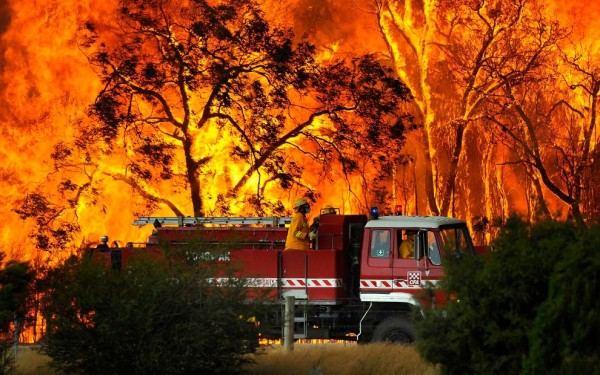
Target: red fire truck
point(352, 284)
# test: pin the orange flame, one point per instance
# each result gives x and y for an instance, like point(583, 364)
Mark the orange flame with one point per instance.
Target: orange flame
point(46, 84)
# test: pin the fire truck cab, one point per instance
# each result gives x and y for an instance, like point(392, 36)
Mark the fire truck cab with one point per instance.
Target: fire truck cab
point(357, 282)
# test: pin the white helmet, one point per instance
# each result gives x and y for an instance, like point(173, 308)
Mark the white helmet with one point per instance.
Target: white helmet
point(300, 202)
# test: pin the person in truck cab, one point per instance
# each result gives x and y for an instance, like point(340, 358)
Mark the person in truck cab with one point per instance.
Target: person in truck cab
point(299, 234)
point(407, 247)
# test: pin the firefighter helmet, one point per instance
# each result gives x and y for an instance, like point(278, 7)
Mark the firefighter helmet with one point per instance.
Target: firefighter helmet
point(328, 210)
point(300, 202)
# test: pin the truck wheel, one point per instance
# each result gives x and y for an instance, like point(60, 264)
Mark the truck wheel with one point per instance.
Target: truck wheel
point(396, 329)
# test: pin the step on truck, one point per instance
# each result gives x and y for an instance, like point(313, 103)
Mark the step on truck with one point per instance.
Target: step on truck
point(357, 282)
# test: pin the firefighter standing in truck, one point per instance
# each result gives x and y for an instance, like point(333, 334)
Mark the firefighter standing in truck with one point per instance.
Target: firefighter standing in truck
point(299, 234)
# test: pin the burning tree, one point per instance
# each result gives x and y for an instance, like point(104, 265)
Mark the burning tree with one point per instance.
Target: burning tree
point(212, 103)
point(550, 126)
point(443, 51)
point(203, 96)
point(204, 103)
point(468, 62)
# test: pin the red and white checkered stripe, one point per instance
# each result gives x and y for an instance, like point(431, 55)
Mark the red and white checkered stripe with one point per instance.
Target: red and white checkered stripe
point(385, 284)
point(376, 284)
point(293, 283)
point(311, 283)
point(324, 283)
point(287, 282)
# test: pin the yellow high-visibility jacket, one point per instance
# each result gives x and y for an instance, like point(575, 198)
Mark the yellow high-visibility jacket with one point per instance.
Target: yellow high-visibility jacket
point(297, 235)
point(407, 249)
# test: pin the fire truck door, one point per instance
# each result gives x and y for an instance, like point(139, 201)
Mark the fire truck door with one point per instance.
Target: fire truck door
point(406, 263)
point(433, 266)
point(376, 270)
point(411, 275)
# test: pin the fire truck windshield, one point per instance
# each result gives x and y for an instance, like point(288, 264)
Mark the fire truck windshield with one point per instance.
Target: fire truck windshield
point(456, 241)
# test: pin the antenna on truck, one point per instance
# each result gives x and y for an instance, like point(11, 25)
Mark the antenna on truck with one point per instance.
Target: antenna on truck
point(181, 221)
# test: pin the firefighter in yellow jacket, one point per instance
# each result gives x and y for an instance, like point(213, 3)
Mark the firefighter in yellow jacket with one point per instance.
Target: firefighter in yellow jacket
point(299, 235)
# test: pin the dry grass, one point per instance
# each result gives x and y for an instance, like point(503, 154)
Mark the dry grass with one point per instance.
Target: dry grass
point(305, 359)
point(31, 362)
point(373, 359)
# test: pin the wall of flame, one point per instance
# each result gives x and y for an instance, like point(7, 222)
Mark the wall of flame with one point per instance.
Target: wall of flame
point(46, 85)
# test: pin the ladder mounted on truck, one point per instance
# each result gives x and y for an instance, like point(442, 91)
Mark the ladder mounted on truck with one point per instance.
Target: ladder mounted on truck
point(182, 221)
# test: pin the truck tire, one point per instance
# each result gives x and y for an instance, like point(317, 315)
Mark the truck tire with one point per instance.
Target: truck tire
point(395, 329)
